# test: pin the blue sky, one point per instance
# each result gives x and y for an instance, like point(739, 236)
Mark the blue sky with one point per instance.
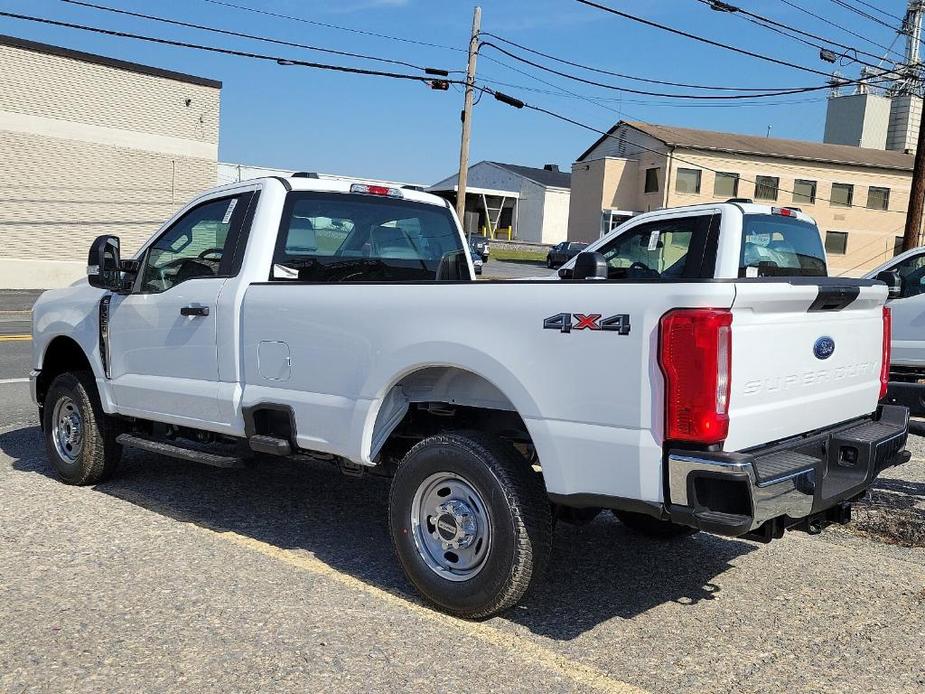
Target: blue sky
point(293, 117)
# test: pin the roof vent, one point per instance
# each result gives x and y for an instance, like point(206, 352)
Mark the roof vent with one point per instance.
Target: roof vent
point(551, 167)
point(304, 174)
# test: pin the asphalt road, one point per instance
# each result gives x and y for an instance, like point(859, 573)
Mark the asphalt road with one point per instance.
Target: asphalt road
point(508, 269)
point(15, 329)
point(281, 577)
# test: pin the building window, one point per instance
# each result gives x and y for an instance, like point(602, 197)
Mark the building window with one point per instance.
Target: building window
point(688, 181)
point(836, 242)
point(652, 180)
point(726, 185)
point(766, 187)
point(878, 198)
point(842, 194)
point(804, 191)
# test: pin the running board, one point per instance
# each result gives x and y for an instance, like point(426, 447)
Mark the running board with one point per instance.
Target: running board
point(181, 452)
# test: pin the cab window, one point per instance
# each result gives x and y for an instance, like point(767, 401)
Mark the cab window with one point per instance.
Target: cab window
point(340, 237)
point(912, 271)
point(198, 245)
point(664, 249)
point(780, 246)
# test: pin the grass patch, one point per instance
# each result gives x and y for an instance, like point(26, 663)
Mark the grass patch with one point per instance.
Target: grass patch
point(518, 254)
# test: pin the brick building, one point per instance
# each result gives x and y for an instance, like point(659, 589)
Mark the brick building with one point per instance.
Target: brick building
point(91, 145)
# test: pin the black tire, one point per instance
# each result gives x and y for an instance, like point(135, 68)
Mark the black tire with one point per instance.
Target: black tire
point(549, 262)
point(515, 503)
point(95, 454)
point(653, 527)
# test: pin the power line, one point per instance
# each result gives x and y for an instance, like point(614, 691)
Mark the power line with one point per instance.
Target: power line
point(628, 90)
point(629, 77)
point(864, 14)
point(825, 20)
point(883, 12)
point(702, 39)
point(335, 26)
point(641, 102)
point(238, 34)
point(786, 30)
point(228, 51)
point(608, 135)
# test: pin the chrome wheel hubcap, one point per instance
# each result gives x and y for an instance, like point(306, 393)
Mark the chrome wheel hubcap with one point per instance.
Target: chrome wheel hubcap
point(68, 429)
point(451, 527)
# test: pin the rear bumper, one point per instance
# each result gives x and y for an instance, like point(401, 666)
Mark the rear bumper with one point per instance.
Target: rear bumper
point(807, 481)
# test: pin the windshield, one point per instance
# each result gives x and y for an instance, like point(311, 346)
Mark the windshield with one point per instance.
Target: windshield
point(778, 246)
point(335, 237)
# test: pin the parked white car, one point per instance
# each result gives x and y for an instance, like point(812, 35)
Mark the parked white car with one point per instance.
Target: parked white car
point(308, 318)
point(907, 380)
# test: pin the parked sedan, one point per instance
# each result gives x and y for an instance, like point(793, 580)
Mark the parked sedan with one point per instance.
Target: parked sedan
point(563, 252)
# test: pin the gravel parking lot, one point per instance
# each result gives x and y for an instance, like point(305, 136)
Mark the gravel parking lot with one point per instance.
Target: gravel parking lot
point(281, 577)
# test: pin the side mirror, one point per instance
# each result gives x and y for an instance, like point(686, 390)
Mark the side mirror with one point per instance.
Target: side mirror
point(589, 265)
point(893, 282)
point(105, 267)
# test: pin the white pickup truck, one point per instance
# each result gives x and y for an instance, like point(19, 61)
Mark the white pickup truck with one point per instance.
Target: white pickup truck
point(321, 320)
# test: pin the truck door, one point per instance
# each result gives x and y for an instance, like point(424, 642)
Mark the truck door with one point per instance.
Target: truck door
point(909, 312)
point(162, 336)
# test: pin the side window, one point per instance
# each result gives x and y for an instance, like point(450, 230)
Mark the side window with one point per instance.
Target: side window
point(671, 248)
point(340, 237)
point(912, 270)
point(194, 246)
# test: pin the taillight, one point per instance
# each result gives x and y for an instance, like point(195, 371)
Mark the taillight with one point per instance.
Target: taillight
point(885, 364)
point(695, 356)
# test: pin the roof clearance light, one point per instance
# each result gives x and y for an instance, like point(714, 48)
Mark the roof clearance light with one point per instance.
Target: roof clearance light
point(375, 190)
point(783, 211)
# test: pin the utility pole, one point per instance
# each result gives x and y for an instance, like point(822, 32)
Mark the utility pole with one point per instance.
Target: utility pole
point(917, 194)
point(467, 118)
point(912, 25)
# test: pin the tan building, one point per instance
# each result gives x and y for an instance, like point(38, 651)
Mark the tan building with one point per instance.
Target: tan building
point(90, 145)
point(857, 196)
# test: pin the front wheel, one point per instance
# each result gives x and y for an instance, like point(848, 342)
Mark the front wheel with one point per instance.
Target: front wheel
point(79, 437)
point(470, 522)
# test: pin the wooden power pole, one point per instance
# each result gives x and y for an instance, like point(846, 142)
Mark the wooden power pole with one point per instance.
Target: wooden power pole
point(917, 194)
point(467, 118)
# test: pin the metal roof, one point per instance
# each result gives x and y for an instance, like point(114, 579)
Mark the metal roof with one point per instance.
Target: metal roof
point(803, 150)
point(553, 179)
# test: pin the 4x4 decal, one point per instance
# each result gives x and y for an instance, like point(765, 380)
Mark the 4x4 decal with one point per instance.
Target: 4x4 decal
point(619, 323)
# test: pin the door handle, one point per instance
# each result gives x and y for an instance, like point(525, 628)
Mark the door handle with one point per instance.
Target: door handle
point(194, 311)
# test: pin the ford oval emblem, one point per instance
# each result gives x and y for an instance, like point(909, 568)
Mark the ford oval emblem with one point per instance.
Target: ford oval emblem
point(824, 348)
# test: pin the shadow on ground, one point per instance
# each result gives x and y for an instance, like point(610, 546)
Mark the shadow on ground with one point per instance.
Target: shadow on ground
point(598, 572)
point(893, 512)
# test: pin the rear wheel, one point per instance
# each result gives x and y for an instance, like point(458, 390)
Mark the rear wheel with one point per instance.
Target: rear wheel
point(652, 527)
point(470, 522)
point(79, 437)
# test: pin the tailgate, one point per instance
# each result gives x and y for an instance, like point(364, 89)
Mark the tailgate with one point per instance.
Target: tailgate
point(783, 382)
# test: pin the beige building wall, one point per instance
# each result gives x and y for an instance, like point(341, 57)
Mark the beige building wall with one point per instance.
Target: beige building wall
point(91, 146)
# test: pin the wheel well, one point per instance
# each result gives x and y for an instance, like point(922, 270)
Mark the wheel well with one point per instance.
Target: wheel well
point(436, 399)
point(62, 355)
